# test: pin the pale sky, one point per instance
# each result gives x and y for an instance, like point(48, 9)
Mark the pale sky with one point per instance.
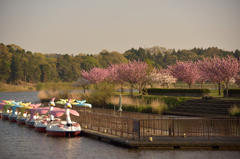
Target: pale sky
point(89, 26)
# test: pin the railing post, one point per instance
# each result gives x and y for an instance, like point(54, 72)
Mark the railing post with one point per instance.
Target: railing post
point(90, 121)
point(169, 126)
point(111, 124)
point(121, 127)
point(139, 131)
point(161, 125)
point(173, 131)
point(143, 130)
point(239, 126)
point(208, 130)
point(178, 123)
point(203, 127)
point(154, 124)
point(116, 128)
point(236, 128)
point(133, 129)
point(127, 129)
point(98, 122)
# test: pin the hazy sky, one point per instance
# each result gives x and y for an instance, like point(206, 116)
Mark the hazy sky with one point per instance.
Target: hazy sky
point(89, 26)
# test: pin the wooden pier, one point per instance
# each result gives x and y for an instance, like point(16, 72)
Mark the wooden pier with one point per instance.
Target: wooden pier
point(222, 143)
point(141, 130)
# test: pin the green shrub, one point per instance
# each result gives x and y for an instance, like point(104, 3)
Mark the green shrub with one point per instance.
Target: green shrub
point(30, 88)
point(232, 91)
point(102, 92)
point(159, 90)
point(234, 111)
point(39, 86)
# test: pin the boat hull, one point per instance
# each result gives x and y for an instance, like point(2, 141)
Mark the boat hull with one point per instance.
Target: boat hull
point(21, 121)
point(30, 124)
point(12, 119)
point(5, 116)
point(40, 129)
point(63, 133)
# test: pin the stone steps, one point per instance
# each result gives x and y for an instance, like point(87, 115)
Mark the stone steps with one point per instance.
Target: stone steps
point(203, 107)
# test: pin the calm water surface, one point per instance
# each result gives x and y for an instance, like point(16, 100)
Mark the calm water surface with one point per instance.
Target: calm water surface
point(20, 142)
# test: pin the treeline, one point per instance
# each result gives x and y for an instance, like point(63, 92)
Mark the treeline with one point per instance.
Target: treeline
point(17, 65)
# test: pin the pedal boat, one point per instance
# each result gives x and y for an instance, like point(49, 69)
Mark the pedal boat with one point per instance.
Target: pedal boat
point(33, 117)
point(2, 104)
point(42, 122)
point(6, 111)
point(64, 128)
point(82, 104)
point(13, 116)
point(21, 119)
point(1, 107)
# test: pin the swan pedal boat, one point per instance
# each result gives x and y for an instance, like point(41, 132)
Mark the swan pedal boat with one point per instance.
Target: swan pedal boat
point(13, 116)
point(7, 111)
point(64, 128)
point(34, 116)
point(21, 119)
point(41, 123)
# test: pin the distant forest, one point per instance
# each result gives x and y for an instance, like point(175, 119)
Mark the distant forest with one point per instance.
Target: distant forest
point(17, 65)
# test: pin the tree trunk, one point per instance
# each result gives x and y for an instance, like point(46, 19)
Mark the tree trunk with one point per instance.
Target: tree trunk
point(189, 86)
point(122, 90)
point(132, 90)
point(219, 88)
point(227, 90)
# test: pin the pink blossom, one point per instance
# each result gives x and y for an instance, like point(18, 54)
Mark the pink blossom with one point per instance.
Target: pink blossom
point(95, 75)
point(185, 71)
point(219, 70)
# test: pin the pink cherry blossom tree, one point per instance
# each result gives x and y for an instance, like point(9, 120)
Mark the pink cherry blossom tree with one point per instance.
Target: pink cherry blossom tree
point(95, 75)
point(135, 73)
point(210, 68)
point(228, 69)
point(237, 80)
point(114, 76)
point(202, 77)
point(219, 70)
point(185, 71)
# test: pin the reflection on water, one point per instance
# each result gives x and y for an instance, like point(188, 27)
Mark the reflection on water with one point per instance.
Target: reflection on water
point(20, 142)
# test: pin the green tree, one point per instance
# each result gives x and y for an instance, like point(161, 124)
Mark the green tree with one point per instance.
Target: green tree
point(45, 73)
point(17, 70)
point(237, 54)
point(5, 70)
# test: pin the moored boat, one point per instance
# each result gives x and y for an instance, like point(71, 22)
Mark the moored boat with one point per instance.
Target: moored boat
point(13, 116)
point(64, 128)
point(1, 107)
point(6, 111)
point(41, 123)
point(21, 119)
point(82, 104)
point(31, 120)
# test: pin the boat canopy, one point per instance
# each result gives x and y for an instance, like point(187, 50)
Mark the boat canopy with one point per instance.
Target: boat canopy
point(59, 112)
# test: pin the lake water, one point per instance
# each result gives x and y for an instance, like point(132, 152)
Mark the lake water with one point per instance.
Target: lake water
point(20, 142)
